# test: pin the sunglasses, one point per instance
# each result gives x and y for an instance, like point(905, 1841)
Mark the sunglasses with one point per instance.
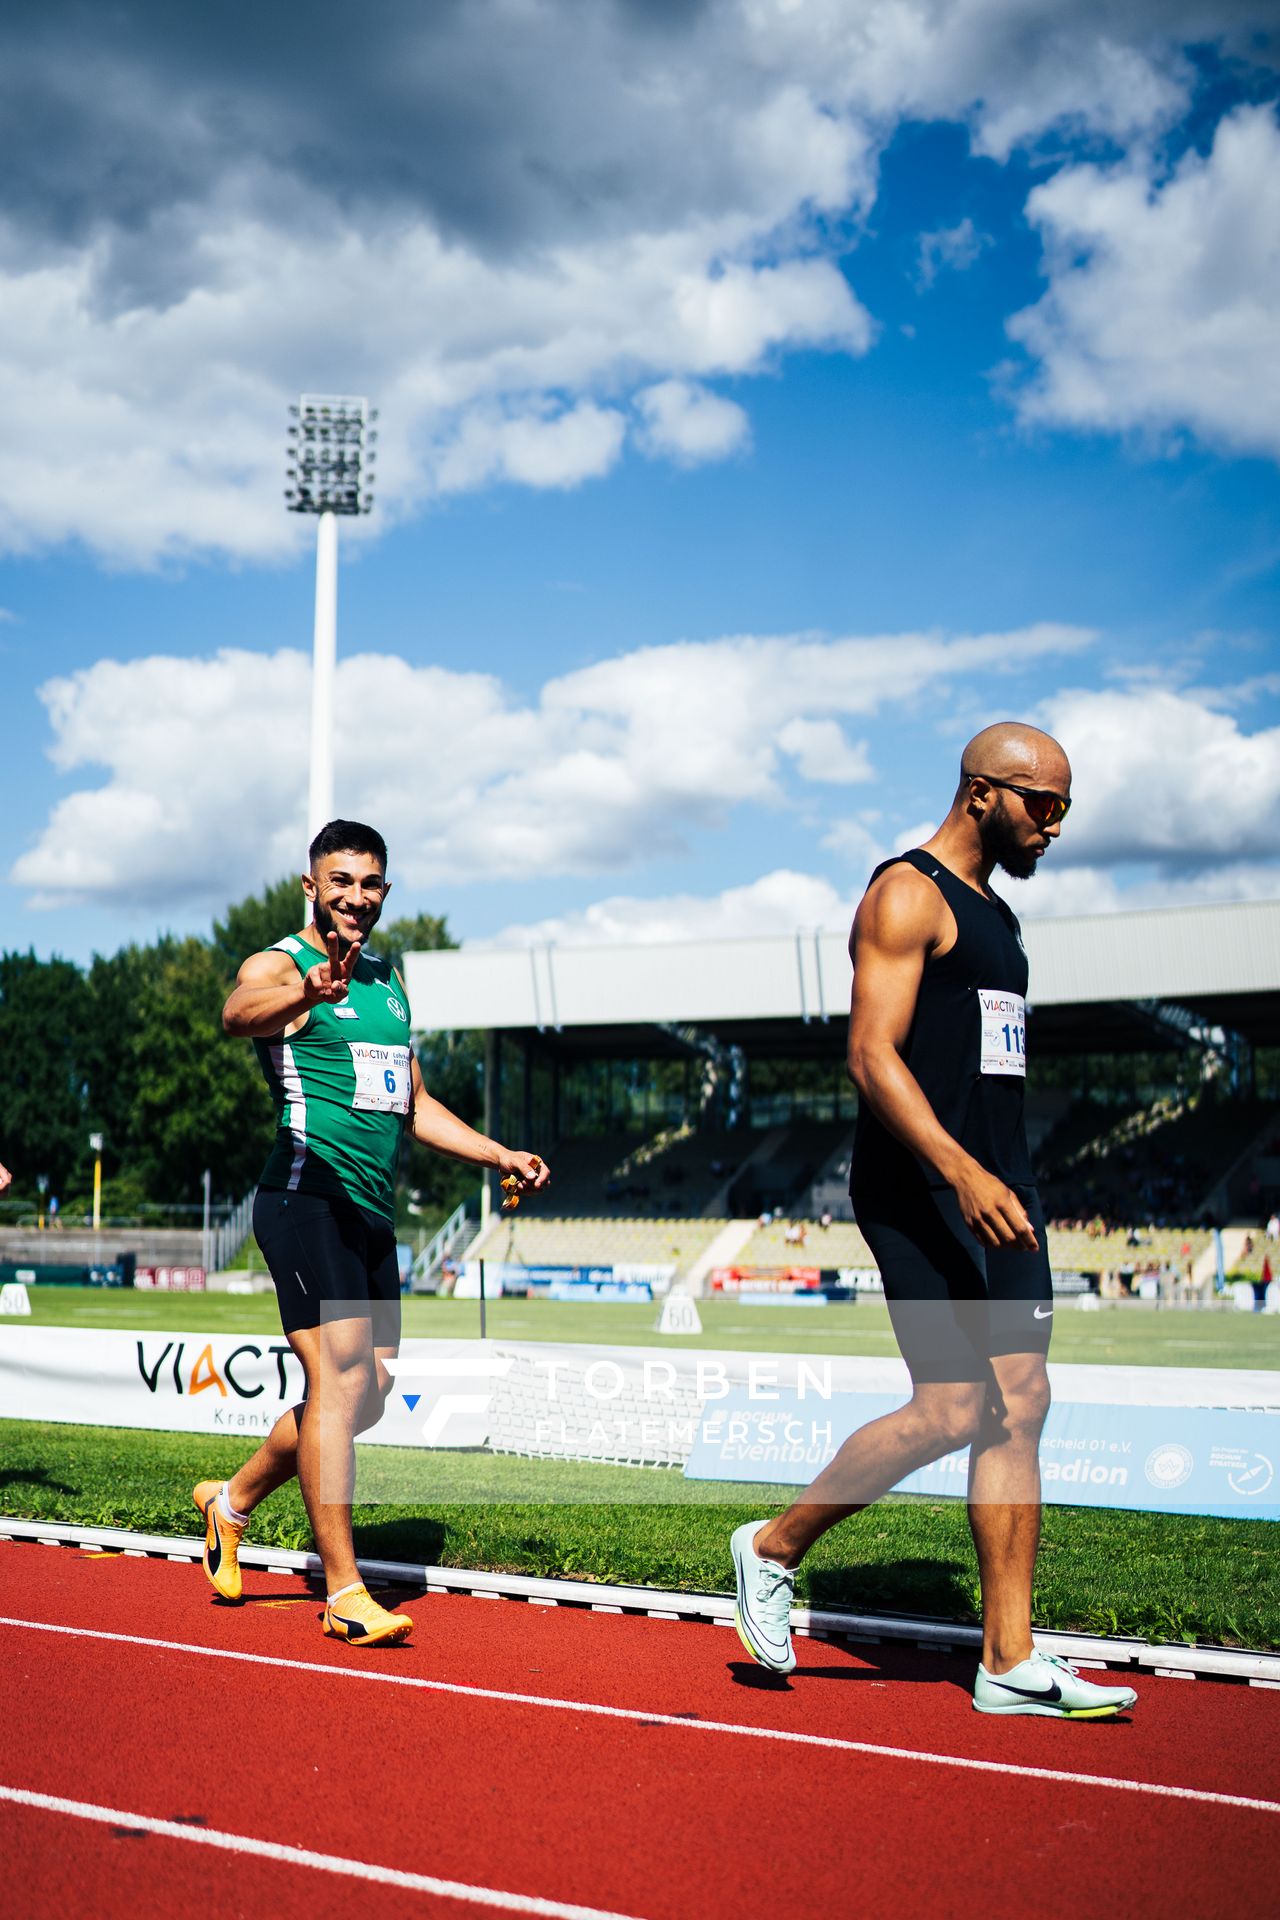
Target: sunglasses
point(1046, 808)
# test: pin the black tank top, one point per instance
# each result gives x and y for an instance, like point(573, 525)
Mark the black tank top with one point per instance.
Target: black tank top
point(966, 1047)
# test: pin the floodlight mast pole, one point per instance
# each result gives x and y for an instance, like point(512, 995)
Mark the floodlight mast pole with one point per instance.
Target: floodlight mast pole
point(330, 473)
point(324, 663)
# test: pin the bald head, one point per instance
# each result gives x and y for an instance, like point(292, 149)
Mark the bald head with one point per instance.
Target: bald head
point(1014, 792)
point(1011, 750)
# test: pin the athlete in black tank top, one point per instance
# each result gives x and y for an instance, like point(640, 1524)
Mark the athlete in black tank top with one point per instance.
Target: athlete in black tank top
point(942, 1189)
point(967, 1044)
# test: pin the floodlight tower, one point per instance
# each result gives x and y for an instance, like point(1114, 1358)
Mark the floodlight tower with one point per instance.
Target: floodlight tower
point(330, 472)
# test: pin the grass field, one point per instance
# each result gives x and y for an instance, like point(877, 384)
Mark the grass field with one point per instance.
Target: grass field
point(1144, 1574)
point(1154, 1576)
point(1130, 1335)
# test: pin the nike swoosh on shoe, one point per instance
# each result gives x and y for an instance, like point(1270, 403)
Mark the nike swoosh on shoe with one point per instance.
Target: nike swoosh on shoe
point(777, 1647)
point(213, 1540)
point(1050, 1694)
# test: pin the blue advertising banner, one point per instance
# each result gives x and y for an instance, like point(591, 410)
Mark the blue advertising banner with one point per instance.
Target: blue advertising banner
point(1205, 1460)
point(616, 1290)
point(510, 1274)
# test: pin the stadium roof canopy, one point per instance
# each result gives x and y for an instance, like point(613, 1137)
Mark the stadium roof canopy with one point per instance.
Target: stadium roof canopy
point(1099, 983)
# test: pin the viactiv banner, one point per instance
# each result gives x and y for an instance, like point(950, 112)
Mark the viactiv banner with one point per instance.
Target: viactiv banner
point(179, 1382)
point(1170, 1439)
point(1170, 1459)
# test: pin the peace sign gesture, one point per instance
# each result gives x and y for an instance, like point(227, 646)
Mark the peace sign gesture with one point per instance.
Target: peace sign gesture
point(329, 979)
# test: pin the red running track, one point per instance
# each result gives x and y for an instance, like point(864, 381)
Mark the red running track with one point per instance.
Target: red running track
point(669, 1805)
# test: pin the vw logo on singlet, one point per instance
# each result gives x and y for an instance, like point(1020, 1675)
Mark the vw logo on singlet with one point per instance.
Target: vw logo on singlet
point(394, 1006)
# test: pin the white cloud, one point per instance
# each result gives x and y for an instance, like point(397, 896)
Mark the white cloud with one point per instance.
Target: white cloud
point(1057, 891)
point(1015, 70)
point(955, 247)
point(1163, 294)
point(821, 752)
point(778, 902)
point(203, 771)
point(1164, 777)
point(536, 449)
point(686, 423)
point(618, 762)
point(494, 219)
point(856, 843)
point(167, 436)
point(786, 901)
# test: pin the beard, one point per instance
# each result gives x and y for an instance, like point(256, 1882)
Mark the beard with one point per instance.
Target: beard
point(1001, 842)
point(325, 925)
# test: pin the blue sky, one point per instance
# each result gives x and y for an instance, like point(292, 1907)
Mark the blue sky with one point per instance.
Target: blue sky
point(780, 397)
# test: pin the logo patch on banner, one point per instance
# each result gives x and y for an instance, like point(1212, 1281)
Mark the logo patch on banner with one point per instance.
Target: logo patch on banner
point(1169, 1465)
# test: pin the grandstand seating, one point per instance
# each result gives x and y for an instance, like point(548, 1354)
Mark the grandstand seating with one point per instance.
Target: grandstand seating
point(839, 1245)
point(801, 1159)
point(678, 1241)
point(1076, 1250)
point(1159, 1164)
point(530, 1241)
point(842, 1245)
point(1116, 1193)
point(1257, 1248)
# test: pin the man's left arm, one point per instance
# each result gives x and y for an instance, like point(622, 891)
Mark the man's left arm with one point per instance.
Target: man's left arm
point(435, 1126)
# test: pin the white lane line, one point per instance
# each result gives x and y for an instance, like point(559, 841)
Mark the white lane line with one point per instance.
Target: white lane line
point(306, 1857)
point(829, 1742)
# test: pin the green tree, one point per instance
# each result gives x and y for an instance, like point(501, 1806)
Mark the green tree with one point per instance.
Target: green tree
point(117, 985)
point(199, 1099)
point(45, 1029)
point(258, 922)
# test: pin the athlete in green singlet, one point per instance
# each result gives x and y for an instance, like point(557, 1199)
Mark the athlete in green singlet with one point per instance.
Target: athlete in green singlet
point(330, 1025)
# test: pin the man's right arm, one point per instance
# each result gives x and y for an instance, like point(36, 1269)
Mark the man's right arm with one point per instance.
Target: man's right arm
point(269, 996)
point(898, 925)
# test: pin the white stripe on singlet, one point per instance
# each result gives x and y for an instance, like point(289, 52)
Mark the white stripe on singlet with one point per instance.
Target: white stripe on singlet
point(291, 1080)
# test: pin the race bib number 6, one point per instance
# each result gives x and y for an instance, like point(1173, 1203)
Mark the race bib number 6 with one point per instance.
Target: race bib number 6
point(1004, 1031)
point(382, 1078)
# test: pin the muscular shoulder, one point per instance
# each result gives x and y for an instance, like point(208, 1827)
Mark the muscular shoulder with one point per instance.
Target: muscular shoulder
point(269, 969)
point(901, 912)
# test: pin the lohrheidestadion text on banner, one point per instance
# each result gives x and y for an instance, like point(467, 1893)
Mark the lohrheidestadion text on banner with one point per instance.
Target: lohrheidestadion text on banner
point(1156, 1439)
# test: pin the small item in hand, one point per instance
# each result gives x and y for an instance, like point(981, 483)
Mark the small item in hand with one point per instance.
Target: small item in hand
point(511, 1186)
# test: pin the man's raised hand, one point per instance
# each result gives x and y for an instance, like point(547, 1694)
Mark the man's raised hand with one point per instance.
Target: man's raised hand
point(329, 979)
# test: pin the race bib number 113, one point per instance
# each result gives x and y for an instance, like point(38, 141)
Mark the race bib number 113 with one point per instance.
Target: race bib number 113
point(1004, 1031)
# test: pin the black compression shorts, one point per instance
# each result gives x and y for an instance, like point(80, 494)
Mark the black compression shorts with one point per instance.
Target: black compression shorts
point(955, 1303)
point(330, 1260)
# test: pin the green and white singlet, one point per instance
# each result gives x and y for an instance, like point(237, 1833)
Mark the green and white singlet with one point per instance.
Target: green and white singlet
point(341, 1087)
